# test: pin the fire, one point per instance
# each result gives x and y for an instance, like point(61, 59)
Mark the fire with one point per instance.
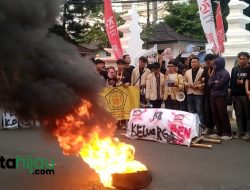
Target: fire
point(106, 155)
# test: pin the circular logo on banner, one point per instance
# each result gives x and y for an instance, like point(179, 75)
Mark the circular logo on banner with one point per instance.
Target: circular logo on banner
point(116, 99)
point(205, 7)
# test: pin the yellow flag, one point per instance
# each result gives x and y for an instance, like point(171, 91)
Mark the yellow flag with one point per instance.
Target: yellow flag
point(121, 100)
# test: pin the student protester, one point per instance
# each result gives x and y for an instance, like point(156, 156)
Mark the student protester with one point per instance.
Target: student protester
point(139, 76)
point(99, 68)
point(174, 85)
point(128, 68)
point(207, 73)
point(112, 80)
point(219, 83)
point(121, 75)
point(195, 89)
point(247, 86)
point(155, 86)
point(237, 85)
point(183, 67)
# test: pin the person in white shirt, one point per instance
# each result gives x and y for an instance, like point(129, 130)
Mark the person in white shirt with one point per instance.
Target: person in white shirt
point(139, 76)
point(155, 85)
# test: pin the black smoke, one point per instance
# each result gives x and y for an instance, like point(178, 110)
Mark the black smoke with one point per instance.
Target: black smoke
point(41, 75)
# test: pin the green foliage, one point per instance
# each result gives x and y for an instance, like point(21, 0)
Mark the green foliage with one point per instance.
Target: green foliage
point(84, 22)
point(96, 33)
point(184, 19)
point(147, 31)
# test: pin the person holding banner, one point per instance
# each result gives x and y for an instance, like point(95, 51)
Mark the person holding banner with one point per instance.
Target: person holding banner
point(111, 80)
point(194, 84)
point(139, 76)
point(155, 85)
point(174, 85)
point(122, 76)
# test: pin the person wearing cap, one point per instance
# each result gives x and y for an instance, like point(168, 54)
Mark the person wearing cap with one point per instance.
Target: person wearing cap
point(99, 68)
point(155, 85)
point(139, 76)
point(128, 68)
point(174, 85)
point(195, 89)
point(219, 84)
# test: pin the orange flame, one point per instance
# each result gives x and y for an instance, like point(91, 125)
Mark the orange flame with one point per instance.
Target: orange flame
point(106, 155)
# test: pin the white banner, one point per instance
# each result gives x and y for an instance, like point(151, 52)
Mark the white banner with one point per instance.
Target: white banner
point(163, 125)
point(207, 21)
point(10, 121)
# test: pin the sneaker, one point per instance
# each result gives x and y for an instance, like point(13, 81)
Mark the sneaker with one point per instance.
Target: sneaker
point(237, 135)
point(246, 137)
point(205, 131)
point(225, 138)
point(208, 131)
point(215, 136)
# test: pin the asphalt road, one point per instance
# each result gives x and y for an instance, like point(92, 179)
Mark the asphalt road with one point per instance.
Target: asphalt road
point(225, 167)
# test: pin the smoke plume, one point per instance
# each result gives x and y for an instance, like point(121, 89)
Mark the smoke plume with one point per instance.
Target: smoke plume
point(41, 74)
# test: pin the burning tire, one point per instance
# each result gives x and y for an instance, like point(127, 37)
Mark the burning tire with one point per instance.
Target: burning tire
point(132, 181)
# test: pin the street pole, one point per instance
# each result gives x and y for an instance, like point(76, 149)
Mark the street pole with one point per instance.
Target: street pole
point(154, 11)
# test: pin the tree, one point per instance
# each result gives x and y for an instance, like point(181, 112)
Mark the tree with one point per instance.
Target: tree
point(184, 19)
point(82, 22)
point(96, 33)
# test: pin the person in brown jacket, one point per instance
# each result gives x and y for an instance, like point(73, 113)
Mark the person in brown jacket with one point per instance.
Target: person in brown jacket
point(155, 85)
point(195, 89)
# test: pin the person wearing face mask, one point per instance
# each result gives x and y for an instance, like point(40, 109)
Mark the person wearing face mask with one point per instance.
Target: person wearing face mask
point(219, 84)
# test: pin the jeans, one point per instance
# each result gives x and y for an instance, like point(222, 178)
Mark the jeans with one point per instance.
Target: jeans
point(196, 105)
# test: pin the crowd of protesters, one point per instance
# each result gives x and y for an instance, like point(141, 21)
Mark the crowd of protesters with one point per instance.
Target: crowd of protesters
point(206, 89)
